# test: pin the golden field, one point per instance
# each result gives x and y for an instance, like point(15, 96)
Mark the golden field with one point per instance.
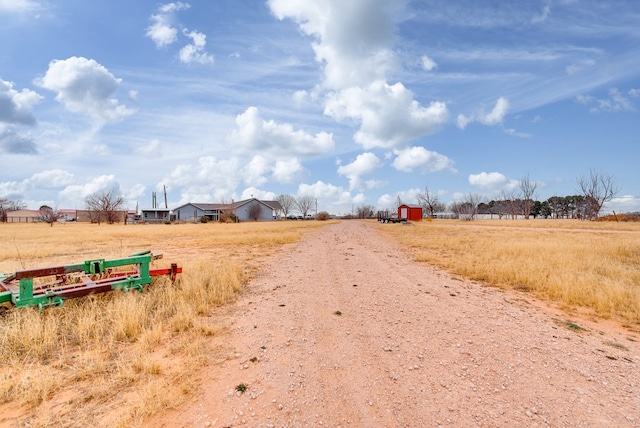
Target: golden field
point(584, 266)
point(112, 359)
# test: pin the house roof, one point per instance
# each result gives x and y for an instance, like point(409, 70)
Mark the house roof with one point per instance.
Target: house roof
point(274, 205)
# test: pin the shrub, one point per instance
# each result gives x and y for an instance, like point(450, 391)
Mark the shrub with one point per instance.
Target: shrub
point(323, 215)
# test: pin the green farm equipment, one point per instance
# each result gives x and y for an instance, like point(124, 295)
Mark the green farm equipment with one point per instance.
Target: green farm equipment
point(50, 286)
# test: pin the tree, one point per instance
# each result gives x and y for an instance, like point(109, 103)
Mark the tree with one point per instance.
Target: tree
point(429, 202)
point(104, 206)
point(254, 211)
point(48, 215)
point(468, 208)
point(527, 191)
point(364, 211)
point(288, 203)
point(304, 204)
point(597, 189)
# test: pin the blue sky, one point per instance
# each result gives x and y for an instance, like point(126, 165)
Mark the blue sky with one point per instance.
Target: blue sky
point(353, 102)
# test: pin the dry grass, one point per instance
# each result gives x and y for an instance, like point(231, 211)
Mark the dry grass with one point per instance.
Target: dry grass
point(592, 266)
point(114, 359)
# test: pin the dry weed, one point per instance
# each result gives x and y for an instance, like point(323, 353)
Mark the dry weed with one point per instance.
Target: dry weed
point(578, 264)
point(123, 356)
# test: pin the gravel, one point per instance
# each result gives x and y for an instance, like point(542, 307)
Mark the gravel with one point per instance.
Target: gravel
point(343, 329)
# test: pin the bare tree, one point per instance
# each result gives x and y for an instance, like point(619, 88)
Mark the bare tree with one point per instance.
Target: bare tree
point(527, 191)
point(468, 208)
point(288, 203)
point(364, 211)
point(48, 215)
point(254, 211)
point(429, 202)
point(597, 189)
point(104, 206)
point(304, 204)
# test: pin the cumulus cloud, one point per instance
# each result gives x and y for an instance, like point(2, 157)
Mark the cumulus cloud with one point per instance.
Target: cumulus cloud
point(389, 117)
point(210, 180)
point(195, 52)
point(492, 181)
point(421, 159)
point(365, 163)
point(12, 142)
point(329, 195)
point(276, 139)
point(161, 30)
point(287, 170)
point(353, 39)
point(427, 63)
point(254, 172)
point(494, 117)
point(254, 192)
point(83, 85)
point(16, 106)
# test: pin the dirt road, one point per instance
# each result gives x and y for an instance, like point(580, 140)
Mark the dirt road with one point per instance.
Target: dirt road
point(344, 330)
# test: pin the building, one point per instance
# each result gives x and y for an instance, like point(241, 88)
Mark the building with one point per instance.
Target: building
point(410, 212)
point(246, 210)
point(23, 216)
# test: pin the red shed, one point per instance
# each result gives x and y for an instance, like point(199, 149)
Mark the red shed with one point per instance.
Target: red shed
point(410, 212)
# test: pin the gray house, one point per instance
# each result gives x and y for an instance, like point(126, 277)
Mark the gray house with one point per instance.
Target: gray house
point(247, 210)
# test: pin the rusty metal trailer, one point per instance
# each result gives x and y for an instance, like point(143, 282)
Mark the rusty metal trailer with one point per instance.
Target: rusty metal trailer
point(50, 286)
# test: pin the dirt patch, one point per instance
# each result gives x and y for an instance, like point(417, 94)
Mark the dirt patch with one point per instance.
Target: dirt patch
point(343, 329)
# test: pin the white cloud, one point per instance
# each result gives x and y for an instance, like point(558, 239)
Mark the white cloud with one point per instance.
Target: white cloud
point(16, 107)
point(211, 180)
point(276, 139)
point(161, 30)
point(494, 117)
point(327, 194)
point(353, 39)
point(83, 85)
point(51, 178)
point(389, 117)
point(515, 133)
point(151, 150)
point(634, 93)
point(254, 192)
point(493, 181)
point(614, 103)
point(427, 63)
point(19, 6)
point(195, 51)
point(287, 171)
point(254, 172)
point(365, 163)
point(421, 159)
point(74, 195)
point(13, 142)
point(390, 202)
point(623, 204)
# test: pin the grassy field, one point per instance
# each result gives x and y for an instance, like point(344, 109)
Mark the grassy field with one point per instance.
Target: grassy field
point(113, 359)
point(589, 267)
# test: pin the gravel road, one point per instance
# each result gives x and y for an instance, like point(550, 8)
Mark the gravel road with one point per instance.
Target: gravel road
point(343, 329)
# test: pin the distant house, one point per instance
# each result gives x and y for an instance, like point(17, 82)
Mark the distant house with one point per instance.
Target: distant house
point(23, 216)
point(155, 215)
point(256, 210)
point(246, 210)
